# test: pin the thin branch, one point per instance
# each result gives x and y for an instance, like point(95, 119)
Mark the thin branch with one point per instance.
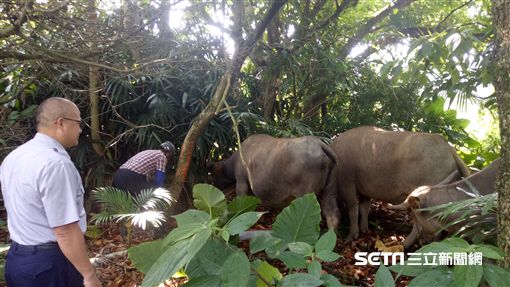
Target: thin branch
point(369, 26)
point(339, 9)
point(452, 12)
point(21, 19)
point(118, 70)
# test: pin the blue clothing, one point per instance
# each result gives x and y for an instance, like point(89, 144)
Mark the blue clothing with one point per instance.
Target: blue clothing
point(42, 189)
point(159, 178)
point(36, 267)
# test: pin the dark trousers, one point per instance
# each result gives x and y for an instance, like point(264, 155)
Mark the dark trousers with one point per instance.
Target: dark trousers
point(40, 266)
point(131, 181)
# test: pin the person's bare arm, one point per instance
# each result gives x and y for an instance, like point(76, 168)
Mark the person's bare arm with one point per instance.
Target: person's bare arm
point(72, 243)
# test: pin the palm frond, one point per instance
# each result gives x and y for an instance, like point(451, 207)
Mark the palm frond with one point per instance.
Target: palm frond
point(477, 216)
point(104, 217)
point(114, 199)
point(141, 209)
point(153, 198)
point(156, 218)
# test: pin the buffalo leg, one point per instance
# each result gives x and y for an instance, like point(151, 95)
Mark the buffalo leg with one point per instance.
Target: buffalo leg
point(348, 193)
point(330, 211)
point(412, 237)
point(242, 187)
point(328, 200)
point(364, 208)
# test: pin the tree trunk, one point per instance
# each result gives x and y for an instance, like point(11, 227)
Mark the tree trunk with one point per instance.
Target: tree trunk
point(130, 24)
point(165, 33)
point(271, 88)
point(243, 48)
point(94, 85)
point(184, 162)
point(501, 64)
point(271, 83)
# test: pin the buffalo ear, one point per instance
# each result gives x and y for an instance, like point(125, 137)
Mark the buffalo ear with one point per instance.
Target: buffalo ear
point(414, 202)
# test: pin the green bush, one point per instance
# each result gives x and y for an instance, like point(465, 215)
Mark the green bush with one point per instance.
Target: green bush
point(451, 275)
point(203, 245)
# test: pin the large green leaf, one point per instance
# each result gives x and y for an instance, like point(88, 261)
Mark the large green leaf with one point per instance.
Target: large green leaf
point(383, 277)
point(261, 241)
point(292, 260)
point(496, 276)
point(236, 270)
point(468, 275)
point(327, 256)
point(299, 221)
point(209, 199)
point(267, 272)
point(242, 204)
point(183, 232)
point(330, 281)
point(197, 242)
point(302, 248)
point(299, 280)
point(204, 281)
point(192, 216)
point(437, 277)
point(411, 270)
point(314, 268)
point(145, 254)
point(210, 259)
point(489, 251)
point(168, 263)
point(452, 244)
point(242, 222)
point(326, 242)
point(175, 257)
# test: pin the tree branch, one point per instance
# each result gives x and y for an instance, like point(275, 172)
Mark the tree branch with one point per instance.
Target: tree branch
point(369, 26)
point(21, 19)
point(339, 9)
point(452, 12)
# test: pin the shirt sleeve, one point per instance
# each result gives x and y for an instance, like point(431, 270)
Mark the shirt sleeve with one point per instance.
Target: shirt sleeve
point(60, 191)
point(161, 162)
point(159, 178)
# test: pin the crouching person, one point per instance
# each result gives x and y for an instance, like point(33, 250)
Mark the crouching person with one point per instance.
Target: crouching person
point(144, 170)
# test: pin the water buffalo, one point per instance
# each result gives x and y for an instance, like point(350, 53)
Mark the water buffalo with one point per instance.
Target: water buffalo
point(277, 170)
point(425, 226)
point(387, 166)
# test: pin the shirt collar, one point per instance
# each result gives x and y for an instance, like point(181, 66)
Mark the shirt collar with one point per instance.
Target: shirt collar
point(51, 143)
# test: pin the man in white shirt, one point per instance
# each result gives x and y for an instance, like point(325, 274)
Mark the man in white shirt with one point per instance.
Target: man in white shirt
point(43, 195)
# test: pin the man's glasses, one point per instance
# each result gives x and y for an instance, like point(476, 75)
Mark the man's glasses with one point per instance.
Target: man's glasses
point(76, 121)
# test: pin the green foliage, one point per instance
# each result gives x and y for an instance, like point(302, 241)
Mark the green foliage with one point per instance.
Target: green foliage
point(146, 207)
point(16, 116)
point(471, 273)
point(208, 200)
point(4, 248)
point(202, 244)
point(476, 215)
point(383, 277)
point(156, 82)
point(299, 222)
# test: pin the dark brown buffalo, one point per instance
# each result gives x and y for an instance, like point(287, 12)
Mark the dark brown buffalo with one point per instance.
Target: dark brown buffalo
point(388, 166)
point(277, 170)
point(425, 225)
